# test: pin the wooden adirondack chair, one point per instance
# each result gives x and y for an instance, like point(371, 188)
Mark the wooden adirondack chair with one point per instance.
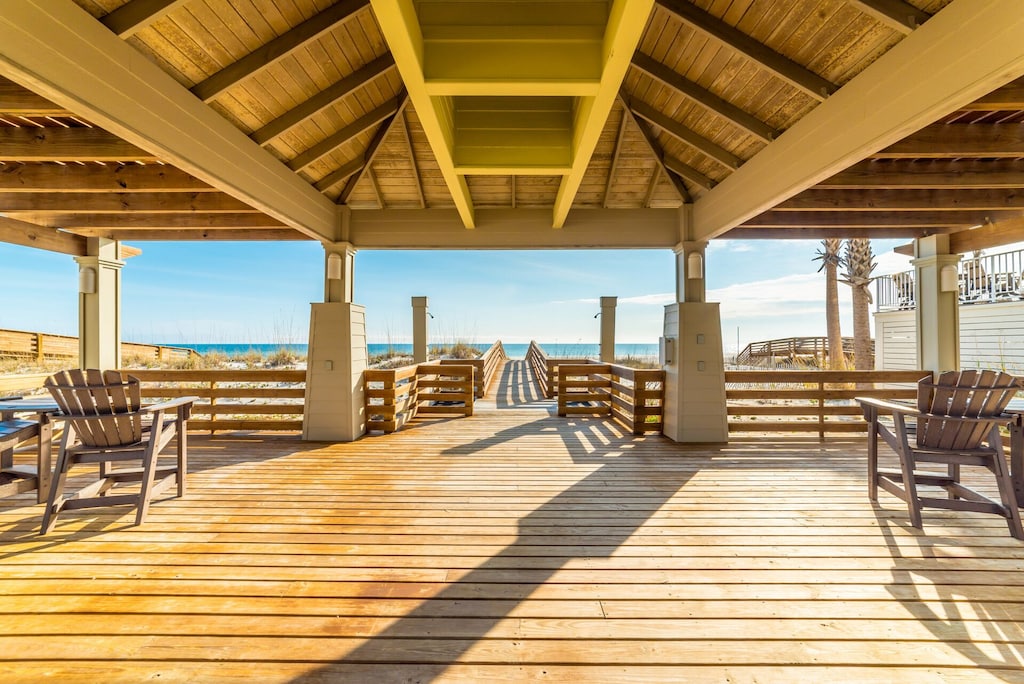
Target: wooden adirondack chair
point(105, 423)
point(958, 419)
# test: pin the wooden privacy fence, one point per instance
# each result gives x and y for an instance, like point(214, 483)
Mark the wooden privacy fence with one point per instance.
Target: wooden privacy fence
point(810, 401)
point(41, 346)
point(232, 400)
point(633, 398)
point(397, 395)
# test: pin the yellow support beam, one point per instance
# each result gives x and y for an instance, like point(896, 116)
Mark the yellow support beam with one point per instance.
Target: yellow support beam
point(401, 29)
point(626, 22)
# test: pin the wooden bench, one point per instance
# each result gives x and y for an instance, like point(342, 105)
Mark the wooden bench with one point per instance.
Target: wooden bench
point(15, 479)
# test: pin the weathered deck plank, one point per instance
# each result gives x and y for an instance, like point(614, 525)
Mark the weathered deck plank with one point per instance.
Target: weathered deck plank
point(513, 546)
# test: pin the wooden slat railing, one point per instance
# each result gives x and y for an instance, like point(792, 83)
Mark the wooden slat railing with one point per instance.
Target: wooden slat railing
point(809, 401)
point(537, 360)
point(632, 397)
point(395, 396)
point(41, 346)
point(493, 358)
point(232, 400)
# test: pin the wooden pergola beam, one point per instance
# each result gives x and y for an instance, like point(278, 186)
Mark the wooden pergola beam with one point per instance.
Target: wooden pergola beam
point(116, 202)
point(879, 219)
point(821, 199)
point(789, 71)
point(277, 49)
point(705, 98)
point(29, 144)
point(960, 54)
point(19, 101)
point(896, 14)
point(987, 237)
point(194, 234)
point(145, 221)
point(324, 99)
point(932, 173)
point(1008, 98)
point(26, 234)
point(685, 135)
point(821, 233)
point(60, 178)
point(346, 134)
point(100, 77)
point(136, 15)
point(940, 141)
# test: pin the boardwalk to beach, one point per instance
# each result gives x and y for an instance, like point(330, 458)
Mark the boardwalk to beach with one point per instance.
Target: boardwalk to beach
point(512, 546)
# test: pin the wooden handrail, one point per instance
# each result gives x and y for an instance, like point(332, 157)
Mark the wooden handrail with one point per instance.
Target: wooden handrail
point(632, 397)
point(397, 395)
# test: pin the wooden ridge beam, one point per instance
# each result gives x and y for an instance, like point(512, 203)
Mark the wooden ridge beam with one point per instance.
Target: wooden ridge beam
point(27, 234)
point(820, 199)
point(371, 152)
point(786, 69)
point(145, 221)
point(818, 233)
point(1008, 98)
point(67, 144)
point(116, 202)
point(932, 173)
point(939, 141)
point(76, 178)
point(194, 234)
point(659, 154)
point(685, 135)
point(353, 130)
point(705, 98)
point(896, 14)
point(963, 52)
point(278, 48)
point(324, 99)
point(626, 22)
point(136, 15)
point(61, 52)
point(19, 101)
point(880, 219)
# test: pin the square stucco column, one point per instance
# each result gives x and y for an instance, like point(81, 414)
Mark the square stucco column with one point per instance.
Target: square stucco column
point(335, 404)
point(99, 305)
point(938, 305)
point(608, 305)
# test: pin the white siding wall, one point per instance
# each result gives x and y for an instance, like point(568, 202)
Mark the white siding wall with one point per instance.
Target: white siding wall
point(991, 336)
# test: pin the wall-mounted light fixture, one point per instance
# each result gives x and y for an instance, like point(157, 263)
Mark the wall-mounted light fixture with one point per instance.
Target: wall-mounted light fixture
point(334, 267)
point(694, 266)
point(87, 280)
point(948, 279)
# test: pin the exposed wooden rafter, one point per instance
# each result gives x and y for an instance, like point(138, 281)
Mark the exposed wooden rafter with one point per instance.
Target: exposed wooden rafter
point(978, 140)
point(820, 233)
point(979, 48)
point(684, 135)
point(118, 202)
point(826, 199)
point(403, 126)
point(135, 15)
point(704, 98)
point(67, 144)
point(659, 154)
point(73, 178)
point(144, 220)
point(613, 167)
point(1009, 97)
point(194, 234)
point(371, 150)
point(101, 77)
point(346, 134)
point(796, 75)
point(881, 219)
point(278, 49)
point(324, 99)
point(932, 173)
point(19, 101)
point(30, 235)
point(896, 14)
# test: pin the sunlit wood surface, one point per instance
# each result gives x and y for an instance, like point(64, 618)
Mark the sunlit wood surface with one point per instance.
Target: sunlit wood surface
point(512, 546)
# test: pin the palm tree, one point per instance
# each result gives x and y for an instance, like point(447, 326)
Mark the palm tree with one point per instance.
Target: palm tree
point(859, 263)
point(830, 262)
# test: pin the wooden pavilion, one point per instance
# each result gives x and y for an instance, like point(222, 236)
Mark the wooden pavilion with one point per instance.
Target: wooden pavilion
point(521, 546)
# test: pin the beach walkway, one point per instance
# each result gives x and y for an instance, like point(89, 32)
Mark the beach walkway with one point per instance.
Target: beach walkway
point(512, 546)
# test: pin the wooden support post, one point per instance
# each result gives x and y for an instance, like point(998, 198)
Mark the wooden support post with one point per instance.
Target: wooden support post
point(99, 305)
point(420, 336)
point(608, 329)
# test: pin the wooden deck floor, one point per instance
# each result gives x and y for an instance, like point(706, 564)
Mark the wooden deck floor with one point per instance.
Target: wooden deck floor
point(512, 546)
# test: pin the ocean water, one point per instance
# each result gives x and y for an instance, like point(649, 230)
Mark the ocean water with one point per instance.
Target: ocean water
point(514, 351)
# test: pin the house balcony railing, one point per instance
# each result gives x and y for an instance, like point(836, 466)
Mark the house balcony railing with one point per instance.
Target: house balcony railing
point(983, 279)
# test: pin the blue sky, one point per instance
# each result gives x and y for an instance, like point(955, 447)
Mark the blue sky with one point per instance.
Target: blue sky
point(260, 292)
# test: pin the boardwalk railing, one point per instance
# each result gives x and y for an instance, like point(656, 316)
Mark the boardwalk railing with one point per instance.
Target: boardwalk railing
point(809, 401)
point(232, 400)
point(41, 346)
point(537, 361)
point(633, 398)
point(486, 366)
point(812, 350)
point(397, 395)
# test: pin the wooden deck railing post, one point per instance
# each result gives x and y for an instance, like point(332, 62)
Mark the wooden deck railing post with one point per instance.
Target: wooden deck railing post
point(39, 347)
point(821, 411)
point(213, 406)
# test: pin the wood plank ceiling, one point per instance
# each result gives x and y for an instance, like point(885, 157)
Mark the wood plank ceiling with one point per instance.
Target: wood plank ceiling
point(482, 104)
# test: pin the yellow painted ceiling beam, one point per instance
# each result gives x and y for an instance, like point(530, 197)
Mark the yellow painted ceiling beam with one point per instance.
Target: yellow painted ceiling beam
point(399, 24)
point(626, 22)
